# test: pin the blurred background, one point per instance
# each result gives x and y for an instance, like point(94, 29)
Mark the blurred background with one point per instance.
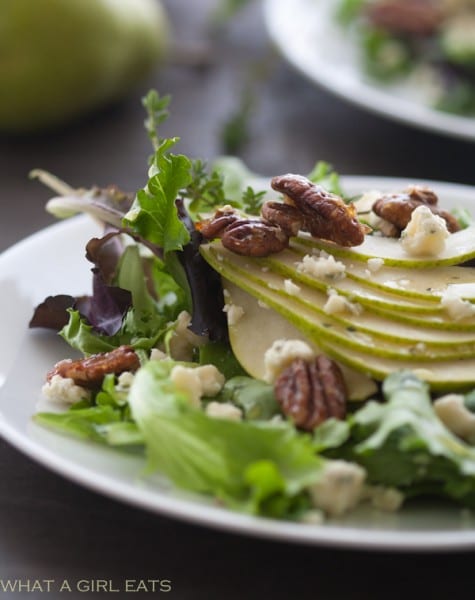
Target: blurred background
point(231, 94)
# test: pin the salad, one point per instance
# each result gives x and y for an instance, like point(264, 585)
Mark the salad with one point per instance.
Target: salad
point(429, 44)
point(291, 353)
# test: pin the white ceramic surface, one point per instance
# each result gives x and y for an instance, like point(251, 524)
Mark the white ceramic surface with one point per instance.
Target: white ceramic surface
point(307, 35)
point(52, 261)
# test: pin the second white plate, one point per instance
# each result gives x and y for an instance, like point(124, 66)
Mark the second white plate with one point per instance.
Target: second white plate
point(308, 36)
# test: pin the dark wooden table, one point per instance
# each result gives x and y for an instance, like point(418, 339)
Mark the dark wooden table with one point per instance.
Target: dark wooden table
point(51, 528)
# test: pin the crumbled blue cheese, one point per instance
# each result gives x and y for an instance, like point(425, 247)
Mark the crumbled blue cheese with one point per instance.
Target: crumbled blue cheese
point(452, 411)
point(323, 266)
point(419, 348)
point(337, 304)
point(63, 390)
point(384, 498)
point(224, 410)
point(375, 263)
point(184, 341)
point(425, 233)
point(234, 313)
point(456, 308)
point(291, 288)
point(157, 354)
point(365, 202)
point(281, 354)
point(187, 381)
point(125, 380)
point(196, 382)
point(211, 379)
point(377, 223)
point(339, 488)
point(396, 284)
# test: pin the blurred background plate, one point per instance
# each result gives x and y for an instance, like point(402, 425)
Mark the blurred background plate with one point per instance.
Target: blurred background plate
point(306, 33)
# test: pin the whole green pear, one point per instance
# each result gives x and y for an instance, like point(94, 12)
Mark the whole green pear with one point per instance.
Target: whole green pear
point(60, 59)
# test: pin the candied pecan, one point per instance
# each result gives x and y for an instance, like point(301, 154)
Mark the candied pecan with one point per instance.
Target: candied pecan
point(90, 372)
point(286, 216)
point(422, 194)
point(311, 392)
point(411, 17)
point(325, 215)
point(215, 226)
point(255, 238)
point(398, 208)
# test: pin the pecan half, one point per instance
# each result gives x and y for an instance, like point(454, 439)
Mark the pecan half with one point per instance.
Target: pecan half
point(423, 194)
point(216, 225)
point(411, 17)
point(90, 372)
point(254, 238)
point(286, 216)
point(325, 215)
point(311, 392)
point(398, 208)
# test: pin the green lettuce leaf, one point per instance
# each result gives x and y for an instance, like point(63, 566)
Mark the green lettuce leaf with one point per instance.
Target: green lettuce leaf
point(84, 423)
point(104, 418)
point(258, 467)
point(81, 336)
point(220, 355)
point(153, 214)
point(403, 443)
point(255, 398)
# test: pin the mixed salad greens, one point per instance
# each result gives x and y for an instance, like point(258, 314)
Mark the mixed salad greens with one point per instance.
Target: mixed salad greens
point(191, 408)
point(430, 44)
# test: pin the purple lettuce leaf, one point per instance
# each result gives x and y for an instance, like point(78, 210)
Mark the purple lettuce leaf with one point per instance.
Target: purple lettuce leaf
point(205, 286)
point(106, 307)
point(52, 313)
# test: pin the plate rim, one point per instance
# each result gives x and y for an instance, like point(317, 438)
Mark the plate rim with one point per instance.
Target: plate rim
point(191, 510)
point(370, 97)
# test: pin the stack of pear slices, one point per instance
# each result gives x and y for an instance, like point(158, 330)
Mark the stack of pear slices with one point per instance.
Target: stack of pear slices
point(400, 323)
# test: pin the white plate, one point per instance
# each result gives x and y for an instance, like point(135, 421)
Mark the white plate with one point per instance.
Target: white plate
point(52, 261)
point(307, 35)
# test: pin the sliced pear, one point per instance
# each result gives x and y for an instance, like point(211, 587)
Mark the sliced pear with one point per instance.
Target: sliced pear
point(426, 284)
point(285, 264)
point(331, 336)
point(416, 314)
point(386, 330)
point(459, 248)
point(259, 327)
point(450, 368)
point(272, 327)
